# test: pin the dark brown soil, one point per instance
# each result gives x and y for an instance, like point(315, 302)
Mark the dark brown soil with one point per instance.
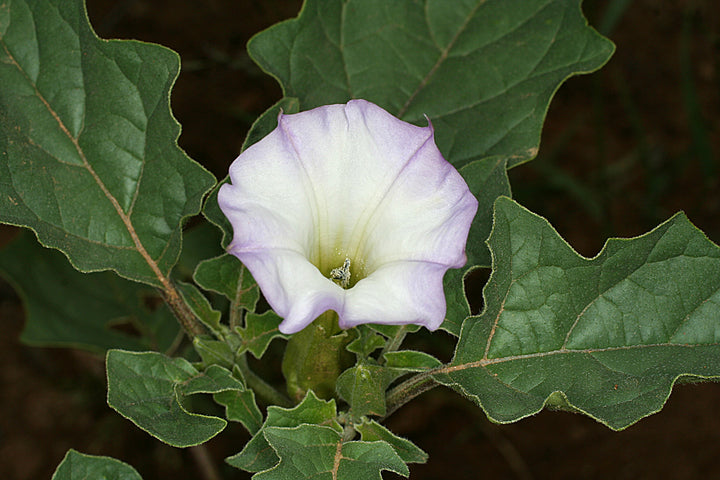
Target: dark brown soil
point(618, 157)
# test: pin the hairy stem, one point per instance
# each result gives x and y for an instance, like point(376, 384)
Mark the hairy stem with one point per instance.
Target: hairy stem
point(236, 307)
point(181, 310)
point(409, 389)
point(395, 342)
point(264, 390)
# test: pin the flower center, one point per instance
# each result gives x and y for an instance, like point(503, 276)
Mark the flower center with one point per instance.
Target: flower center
point(341, 275)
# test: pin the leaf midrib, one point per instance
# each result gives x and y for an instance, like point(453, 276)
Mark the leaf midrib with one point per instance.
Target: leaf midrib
point(445, 52)
point(441, 59)
point(586, 351)
point(139, 247)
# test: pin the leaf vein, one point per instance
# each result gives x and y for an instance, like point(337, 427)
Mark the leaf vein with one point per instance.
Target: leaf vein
point(441, 59)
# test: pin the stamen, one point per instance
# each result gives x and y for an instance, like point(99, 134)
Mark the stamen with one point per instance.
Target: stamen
point(341, 275)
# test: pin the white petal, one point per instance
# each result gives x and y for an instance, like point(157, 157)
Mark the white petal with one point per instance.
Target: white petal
point(424, 215)
point(293, 287)
point(398, 293)
point(268, 202)
point(353, 153)
point(349, 181)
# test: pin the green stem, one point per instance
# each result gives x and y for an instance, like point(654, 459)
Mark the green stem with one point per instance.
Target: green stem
point(236, 308)
point(236, 316)
point(409, 389)
point(395, 342)
point(264, 390)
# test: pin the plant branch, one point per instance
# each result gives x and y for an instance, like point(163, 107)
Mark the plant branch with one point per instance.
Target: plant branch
point(237, 308)
point(395, 342)
point(409, 389)
point(204, 463)
point(181, 310)
point(264, 390)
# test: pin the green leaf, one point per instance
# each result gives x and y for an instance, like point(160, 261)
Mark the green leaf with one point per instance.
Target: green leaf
point(458, 307)
point(78, 466)
point(314, 451)
point(69, 309)
point(148, 389)
point(211, 211)
point(371, 431)
point(267, 122)
point(258, 455)
point(200, 242)
point(367, 341)
point(363, 388)
point(483, 71)
point(411, 361)
point(213, 380)
point(391, 331)
point(311, 410)
point(487, 179)
point(607, 336)
point(214, 352)
point(89, 156)
point(239, 403)
point(263, 125)
point(227, 276)
point(200, 306)
point(259, 331)
point(240, 406)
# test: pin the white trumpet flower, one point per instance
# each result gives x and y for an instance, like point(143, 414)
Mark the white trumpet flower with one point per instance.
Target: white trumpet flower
point(347, 208)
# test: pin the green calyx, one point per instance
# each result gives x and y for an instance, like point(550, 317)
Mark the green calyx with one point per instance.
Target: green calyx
point(315, 357)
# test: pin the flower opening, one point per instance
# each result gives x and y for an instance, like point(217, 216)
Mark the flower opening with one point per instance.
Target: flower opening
point(347, 208)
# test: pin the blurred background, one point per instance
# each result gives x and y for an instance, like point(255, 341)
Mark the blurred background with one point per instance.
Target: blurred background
point(622, 150)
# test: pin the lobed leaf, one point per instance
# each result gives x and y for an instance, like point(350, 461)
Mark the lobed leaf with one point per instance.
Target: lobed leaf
point(78, 466)
point(89, 155)
point(258, 455)
point(488, 180)
point(227, 276)
point(201, 307)
point(240, 406)
point(607, 336)
point(149, 389)
point(259, 331)
point(214, 352)
point(483, 71)
point(367, 341)
point(363, 388)
point(67, 308)
point(213, 379)
point(371, 431)
point(315, 451)
point(239, 402)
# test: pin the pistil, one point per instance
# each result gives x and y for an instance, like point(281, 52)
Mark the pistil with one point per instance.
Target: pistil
point(341, 275)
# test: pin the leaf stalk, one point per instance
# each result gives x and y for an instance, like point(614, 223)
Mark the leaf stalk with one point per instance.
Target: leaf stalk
point(409, 389)
point(181, 310)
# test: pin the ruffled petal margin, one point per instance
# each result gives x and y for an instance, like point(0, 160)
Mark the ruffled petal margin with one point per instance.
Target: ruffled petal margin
point(349, 177)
